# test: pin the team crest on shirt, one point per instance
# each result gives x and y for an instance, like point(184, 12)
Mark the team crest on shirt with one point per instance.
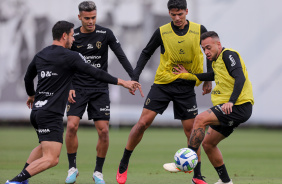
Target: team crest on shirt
point(98, 44)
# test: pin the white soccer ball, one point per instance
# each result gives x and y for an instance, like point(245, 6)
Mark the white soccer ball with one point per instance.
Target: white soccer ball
point(185, 159)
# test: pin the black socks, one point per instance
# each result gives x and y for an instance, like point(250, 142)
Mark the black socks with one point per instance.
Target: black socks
point(24, 175)
point(124, 161)
point(222, 173)
point(99, 164)
point(72, 160)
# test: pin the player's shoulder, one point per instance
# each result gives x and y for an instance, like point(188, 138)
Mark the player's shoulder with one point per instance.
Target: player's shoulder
point(76, 31)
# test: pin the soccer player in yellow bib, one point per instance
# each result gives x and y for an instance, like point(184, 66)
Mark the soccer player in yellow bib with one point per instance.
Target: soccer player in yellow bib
point(179, 43)
point(232, 98)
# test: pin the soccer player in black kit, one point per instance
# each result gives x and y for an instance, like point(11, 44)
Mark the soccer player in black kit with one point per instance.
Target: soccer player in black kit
point(93, 42)
point(54, 66)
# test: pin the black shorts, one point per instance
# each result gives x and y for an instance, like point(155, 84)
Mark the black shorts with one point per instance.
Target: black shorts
point(97, 100)
point(228, 122)
point(181, 93)
point(48, 125)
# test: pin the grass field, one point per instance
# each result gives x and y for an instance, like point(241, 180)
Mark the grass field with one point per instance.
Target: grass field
point(252, 156)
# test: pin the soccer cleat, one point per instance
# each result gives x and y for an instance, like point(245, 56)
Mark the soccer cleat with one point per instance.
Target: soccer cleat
point(199, 180)
point(170, 167)
point(72, 174)
point(220, 182)
point(98, 178)
point(25, 182)
point(121, 178)
point(13, 182)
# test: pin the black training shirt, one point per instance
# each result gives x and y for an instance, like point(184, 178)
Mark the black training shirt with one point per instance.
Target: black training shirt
point(55, 67)
point(94, 48)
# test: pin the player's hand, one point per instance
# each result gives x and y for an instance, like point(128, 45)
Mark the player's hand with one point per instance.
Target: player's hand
point(30, 101)
point(227, 107)
point(180, 69)
point(71, 96)
point(131, 85)
point(207, 87)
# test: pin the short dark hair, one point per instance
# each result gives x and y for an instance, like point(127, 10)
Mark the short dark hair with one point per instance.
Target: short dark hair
point(208, 34)
point(178, 4)
point(87, 6)
point(60, 28)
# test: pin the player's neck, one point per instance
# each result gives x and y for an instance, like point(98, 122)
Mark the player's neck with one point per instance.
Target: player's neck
point(59, 43)
point(83, 30)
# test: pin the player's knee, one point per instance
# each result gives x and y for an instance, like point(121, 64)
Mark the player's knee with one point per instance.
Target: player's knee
point(199, 120)
point(207, 146)
point(72, 127)
point(104, 134)
point(143, 125)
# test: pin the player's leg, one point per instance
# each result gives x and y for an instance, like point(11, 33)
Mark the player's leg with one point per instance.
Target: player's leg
point(210, 142)
point(188, 126)
point(156, 102)
point(134, 138)
point(50, 158)
point(99, 110)
point(102, 127)
point(74, 113)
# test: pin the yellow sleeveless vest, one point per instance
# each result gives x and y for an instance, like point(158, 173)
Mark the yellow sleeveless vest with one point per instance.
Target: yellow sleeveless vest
point(225, 83)
point(183, 50)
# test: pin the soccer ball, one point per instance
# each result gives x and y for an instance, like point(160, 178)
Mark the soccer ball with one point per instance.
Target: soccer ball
point(185, 159)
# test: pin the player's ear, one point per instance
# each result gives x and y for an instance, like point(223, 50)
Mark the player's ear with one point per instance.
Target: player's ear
point(79, 17)
point(187, 11)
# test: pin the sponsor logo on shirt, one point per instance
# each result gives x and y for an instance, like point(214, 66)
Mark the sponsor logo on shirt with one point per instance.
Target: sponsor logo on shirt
point(167, 32)
point(46, 93)
point(75, 34)
point(194, 32)
point(90, 46)
point(215, 92)
point(181, 41)
point(100, 31)
point(92, 57)
point(40, 103)
point(181, 51)
point(79, 46)
point(44, 74)
point(233, 62)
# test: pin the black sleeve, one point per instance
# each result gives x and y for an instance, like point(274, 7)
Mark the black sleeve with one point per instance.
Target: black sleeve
point(234, 67)
point(116, 48)
point(146, 54)
point(209, 76)
point(29, 77)
point(79, 64)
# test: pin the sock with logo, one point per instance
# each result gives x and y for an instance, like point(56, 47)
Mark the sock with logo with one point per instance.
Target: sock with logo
point(24, 175)
point(222, 173)
point(124, 161)
point(72, 160)
point(99, 164)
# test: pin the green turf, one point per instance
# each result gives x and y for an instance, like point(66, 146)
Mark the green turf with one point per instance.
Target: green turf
point(252, 156)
